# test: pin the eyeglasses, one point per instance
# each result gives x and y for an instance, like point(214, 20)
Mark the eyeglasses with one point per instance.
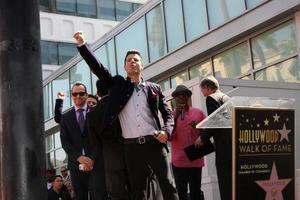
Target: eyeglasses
point(75, 94)
point(63, 171)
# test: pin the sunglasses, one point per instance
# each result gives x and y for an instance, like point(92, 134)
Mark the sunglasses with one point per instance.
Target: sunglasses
point(75, 94)
point(63, 171)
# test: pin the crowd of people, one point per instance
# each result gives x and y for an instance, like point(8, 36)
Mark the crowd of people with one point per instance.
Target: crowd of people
point(116, 141)
point(59, 186)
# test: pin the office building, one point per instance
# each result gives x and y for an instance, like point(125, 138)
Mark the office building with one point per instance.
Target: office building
point(59, 19)
point(250, 44)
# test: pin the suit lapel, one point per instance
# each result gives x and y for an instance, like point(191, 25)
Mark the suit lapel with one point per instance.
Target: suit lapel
point(148, 92)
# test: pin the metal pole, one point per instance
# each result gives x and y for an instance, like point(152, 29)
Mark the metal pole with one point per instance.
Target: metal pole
point(22, 154)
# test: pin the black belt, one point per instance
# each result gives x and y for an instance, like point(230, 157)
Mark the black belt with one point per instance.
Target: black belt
point(139, 140)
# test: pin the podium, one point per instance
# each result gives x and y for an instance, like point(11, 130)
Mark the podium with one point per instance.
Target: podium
point(263, 146)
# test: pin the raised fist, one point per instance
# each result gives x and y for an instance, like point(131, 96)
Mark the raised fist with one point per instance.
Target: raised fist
point(79, 37)
point(61, 95)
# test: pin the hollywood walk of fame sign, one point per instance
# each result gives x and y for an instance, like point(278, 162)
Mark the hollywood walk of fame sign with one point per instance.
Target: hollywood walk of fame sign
point(263, 154)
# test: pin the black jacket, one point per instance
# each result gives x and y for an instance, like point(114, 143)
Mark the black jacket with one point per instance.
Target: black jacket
point(58, 110)
point(121, 89)
point(98, 131)
point(72, 140)
point(222, 137)
point(63, 195)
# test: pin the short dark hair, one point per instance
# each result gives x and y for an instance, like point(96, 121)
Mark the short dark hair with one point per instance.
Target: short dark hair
point(79, 84)
point(132, 51)
point(101, 88)
point(50, 170)
point(210, 82)
point(92, 96)
point(56, 176)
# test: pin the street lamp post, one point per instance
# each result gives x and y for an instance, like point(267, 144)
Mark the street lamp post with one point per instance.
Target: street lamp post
point(22, 157)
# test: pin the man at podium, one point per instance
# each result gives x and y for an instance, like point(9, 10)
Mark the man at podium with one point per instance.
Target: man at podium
point(222, 137)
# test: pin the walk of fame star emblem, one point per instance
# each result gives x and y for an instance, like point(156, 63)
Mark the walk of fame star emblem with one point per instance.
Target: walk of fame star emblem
point(274, 186)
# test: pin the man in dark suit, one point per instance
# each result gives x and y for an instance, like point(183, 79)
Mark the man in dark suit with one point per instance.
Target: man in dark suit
point(136, 104)
point(222, 137)
point(107, 142)
point(75, 142)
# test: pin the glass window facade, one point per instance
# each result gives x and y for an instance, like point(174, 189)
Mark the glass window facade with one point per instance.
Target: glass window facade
point(136, 6)
point(45, 5)
point(106, 55)
point(80, 73)
point(156, 33)
point(195, 18)
point(123, 9)
point(106, 9)
point(103, 9)
point(57, 53)
point(174, 21)
point(233, 62)
point(94, 79)
point(219, 11)
point(87, 8)
point(164, 84)
point(57, 142)
point(50, 160)
point(66, 6)
point(202, 69)
point(65, 52)
point(274, 45)
point(134, 37)
point(287, 71)
point(251, 3)
point(47, 98)
point(55, 155)
point(188, 18)
point(62, 84)
point(60, 157)
point(49, 140)
point(179, 78)
point(236, 62)
point(49, 53)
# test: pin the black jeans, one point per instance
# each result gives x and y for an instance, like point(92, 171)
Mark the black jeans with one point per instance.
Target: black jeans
point(191, 177)
point(97, 181)
point(117, 183)
point(138, 158)
point(80, 182)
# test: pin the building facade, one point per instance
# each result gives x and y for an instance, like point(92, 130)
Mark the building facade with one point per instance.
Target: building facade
point(252, 44)
point(59, 19)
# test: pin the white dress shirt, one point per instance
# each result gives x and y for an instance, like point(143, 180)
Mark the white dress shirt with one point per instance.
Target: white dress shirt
point(136, 118)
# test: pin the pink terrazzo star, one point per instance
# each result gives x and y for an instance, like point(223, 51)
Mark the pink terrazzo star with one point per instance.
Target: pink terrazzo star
point(273, 186)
